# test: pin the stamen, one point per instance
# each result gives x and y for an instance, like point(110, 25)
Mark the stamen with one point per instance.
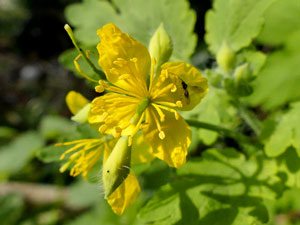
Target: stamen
point(161, 134)
point(162, 91)
point(99, 88)
point(117, 132)
point(129, 141)
point(118, 90)
point(174, 88)
point(137, 127)
point(160, 113)
point(171, 104)
point(114, 71)
point(176, 114)
point(120, 62)
point(80, 71)
point(135, 60)
point(124, 76)
point(103, 128)
point(179, 104)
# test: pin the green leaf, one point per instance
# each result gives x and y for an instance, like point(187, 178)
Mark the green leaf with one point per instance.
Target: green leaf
point(278, 82)
point(11, 208)
point(53, 127)
point(289, 168)
point(281, 12)
point(15, 155)
point(138, 18)
point(221, 188)
point(235, 22)
point(51, 153)
point(286, 134)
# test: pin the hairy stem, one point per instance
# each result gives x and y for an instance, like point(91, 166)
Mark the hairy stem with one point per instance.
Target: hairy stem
point(230, 133)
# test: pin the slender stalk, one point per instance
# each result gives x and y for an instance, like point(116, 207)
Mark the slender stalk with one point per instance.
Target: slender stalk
point(81, 52)
point(248, 116)
point(250, 119)
point(233, 134)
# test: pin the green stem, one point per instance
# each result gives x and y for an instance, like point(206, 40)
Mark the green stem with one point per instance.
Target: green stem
point(251, 120)
point(81, 52)
point(233, 134)
point(248, 117)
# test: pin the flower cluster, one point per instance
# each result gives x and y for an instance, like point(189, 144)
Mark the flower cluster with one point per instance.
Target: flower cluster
point(139, 106)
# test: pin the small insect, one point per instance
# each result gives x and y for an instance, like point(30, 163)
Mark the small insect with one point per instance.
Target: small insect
point(186, 92)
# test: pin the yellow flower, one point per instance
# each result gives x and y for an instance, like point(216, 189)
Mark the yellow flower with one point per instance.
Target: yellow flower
point(85, 153)
point(136, 101)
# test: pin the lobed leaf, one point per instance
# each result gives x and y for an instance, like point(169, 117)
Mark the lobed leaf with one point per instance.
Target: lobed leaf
point(234, 22)
point(177, 17)
point(278, 82)
point(286, 134)
point(219, 188)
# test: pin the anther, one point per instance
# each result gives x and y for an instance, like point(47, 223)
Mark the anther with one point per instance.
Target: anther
point(114, 71)
point(103, 128)
point(179, 104)
point(129, 141)
point(104, 116)
point(161, 135)
point(134, 59)
point(177, 116)
point(124, 76)
point(174, 88)
point(99, 88)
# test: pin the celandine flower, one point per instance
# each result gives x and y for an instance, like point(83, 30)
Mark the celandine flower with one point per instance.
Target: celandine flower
point(139, 96)
point(137, 101)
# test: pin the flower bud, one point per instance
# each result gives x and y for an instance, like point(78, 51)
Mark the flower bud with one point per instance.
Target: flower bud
point(117, 166)
point(160, 46)
point(82, 115)
point(242, 72)
point(225, 58)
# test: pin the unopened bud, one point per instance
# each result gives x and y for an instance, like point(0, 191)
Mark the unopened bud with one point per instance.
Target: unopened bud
point(117, 166)
point(242, 72)
point(82, 115)
point(225, 58)
point(160, 46)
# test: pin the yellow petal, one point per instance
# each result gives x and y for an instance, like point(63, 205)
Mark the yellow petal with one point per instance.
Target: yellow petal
point(75, 101)
point(189, 85)
point(141, 151)
point(172, 146)
point(125, 61)
point(125, 194)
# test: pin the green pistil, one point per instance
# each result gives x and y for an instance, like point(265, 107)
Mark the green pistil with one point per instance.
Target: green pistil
point(140, 109)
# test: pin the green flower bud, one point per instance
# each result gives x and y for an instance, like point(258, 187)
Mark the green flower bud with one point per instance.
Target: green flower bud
point(242, 72)
point(242, 78)
point(160, 46)
point(82, 115)
point(117, 166)
point(225, 58)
